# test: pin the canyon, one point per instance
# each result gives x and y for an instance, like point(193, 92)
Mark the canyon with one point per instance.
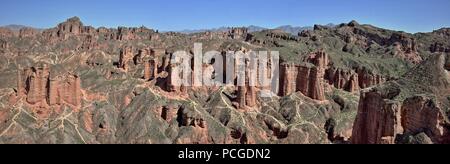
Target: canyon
point(343, 84)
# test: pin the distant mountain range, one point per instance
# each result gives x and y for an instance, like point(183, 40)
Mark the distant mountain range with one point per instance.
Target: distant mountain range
point(16, 27)
point(294, 30)
point(288, 28)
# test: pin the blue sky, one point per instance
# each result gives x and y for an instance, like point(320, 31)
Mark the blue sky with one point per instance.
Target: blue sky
point(405, 15)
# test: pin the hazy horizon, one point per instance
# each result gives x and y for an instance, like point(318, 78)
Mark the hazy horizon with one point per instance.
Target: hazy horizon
point(178, 15)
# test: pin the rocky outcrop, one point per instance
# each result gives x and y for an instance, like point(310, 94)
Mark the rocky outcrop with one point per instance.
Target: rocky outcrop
point(406, 110)
point(439, 47)
point(127, 34)
point(90, 42)
point(384, 121)
point(126, 56)
point(142, 54)
point(173, 78)
point(406, 47)
point(65, 89)
point(74, 27)
point(377, 120)
point(195, 123)
point(319, 59)
point(367, 78)
point(302, 79)
point(288, 79)
point(238, 33)
point(317, 74)
point(150, 69)
point(27, 32)
point(6, 33)
point(39, 88)
point(407, 43)
point(345, 79)
point(316, 88)
point(246, 96)
point(169, 113)
point(280, 34)
point(305, 78)
point(50, 35)
point(421, 114)
point(353, 84)
point(70, 26)
point(37, 84)
point(4, 44)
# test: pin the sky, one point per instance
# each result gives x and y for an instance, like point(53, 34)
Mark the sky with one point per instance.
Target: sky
point(175, 15)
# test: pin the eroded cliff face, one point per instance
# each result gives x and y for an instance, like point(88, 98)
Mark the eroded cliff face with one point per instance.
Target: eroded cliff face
point(398, 112)
point(43, 92)
point(378, 119)
point(28, 33)
point(126, 56)
point(421, 114)
point(307, 79)
point(4, 45)
point(352, 80)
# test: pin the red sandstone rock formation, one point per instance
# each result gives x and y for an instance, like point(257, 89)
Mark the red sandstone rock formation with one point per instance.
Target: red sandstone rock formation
point(343, 79)
point(406, 47)
point(150, 69)
point(288, 76)
point(169, 113)
point(72, 90)
point(367, 78)
point(157, 52)
point(89, 30)
point(316, 88)
point(6, 33)
point(107, 34)
point(142, 54)
point(147, 74)
point(385, 111)
point(307, 79)
point(319, 59)
point(316, 78)
point(353, 84)
point(241, 95)
point(90, 42)
point(302, 81)
point(4, 44)
point(71, 26)
point(380, 121)
point(173, 78)
point(421, 114)
point(251, 96)
point(246, 96)
point(27, 32)
point(54, 92)
point(37, 81)
point(50, 35)
point(377, 121)
point(439, 47)
point(238, 33)
point(197, 124)
point(126, 56)
point(41, 89)
point(125, 34)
